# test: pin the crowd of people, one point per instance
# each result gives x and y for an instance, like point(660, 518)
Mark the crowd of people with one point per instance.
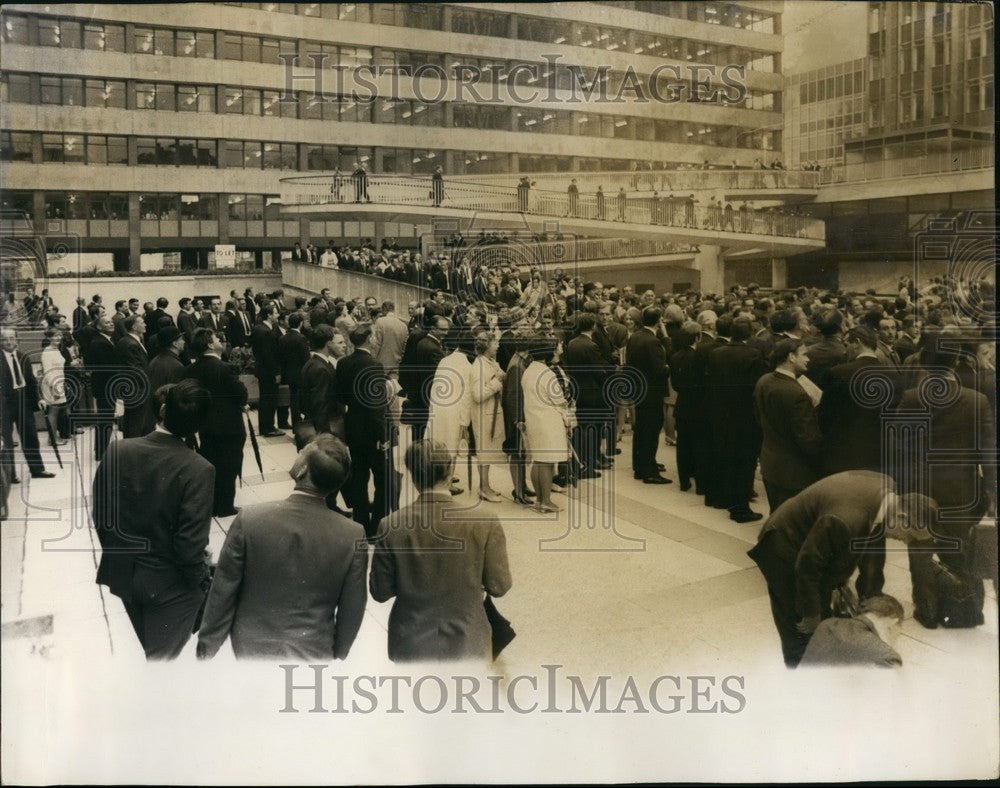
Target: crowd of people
point(541, 375)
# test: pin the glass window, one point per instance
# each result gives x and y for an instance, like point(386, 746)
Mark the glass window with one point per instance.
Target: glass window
point(187, 153)
point(76, 205)
point(232, 153)
point(145, 95)
point(55, 205)
point(207, 156)
point(104, 38)
point(117, 150)
point(205, 44)
point(163, 41)
point(186, 43)
point(232, 47)
point(52, 147)
point(289, 156)
point(165, 97)
point(97, 149)
point(49, 32)
point(16, 146)
point(145, 150)
point(272, 156)
point(234, 101)
point(251, 102)
point(17, 88)
point(166, 151)
point(51, 90)
point(187, 98)
point(73, 150)
point(15, 29)
point(251, 49)
point(143, 38)
point(253, 153)
point(269, 51)
point(237, 207)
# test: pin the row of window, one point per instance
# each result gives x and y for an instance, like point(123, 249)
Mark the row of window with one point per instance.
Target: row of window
point(114, 206)
point(832, 87)
point(162, 41)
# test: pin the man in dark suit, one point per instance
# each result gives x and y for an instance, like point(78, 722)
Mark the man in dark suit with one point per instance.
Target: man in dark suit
point(419, 369)
point(187, 320)
point(645, 356)
point(221, 437)
point(684, 381)
point(214, 318)
point(363, 386)
point(20, 400)
point(165, 367)
point(101, 361)
point(237, 325)
point(906, 343)
point(302, 595)
point(86, 332)
point(293, 351)
point(829, 350)
point(790, 451)
point(852, 427)
point(80, 315)
point(153, 324)
point(960, 423)
point(118, 318)
point(318, 396)
point(152, 512)
point(588, 370)
point(267, 368)
point(816, 539)
point(704, 445)
point(133, 356)
point(730, 377)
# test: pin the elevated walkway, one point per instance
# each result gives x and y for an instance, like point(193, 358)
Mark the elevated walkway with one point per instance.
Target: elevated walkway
point(477, 206)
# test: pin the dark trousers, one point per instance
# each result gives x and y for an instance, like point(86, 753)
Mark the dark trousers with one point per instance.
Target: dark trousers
point(226, 456)
point(418, 428)
point(103, 426)
point(610, 435)
point(366, 462)
point(734, 480)
point(15, 411)
point(687, 468)
point(648, 423)
point(587, 442)
point(295, 404)
point(268, 404)
point(778, 495)
point(163, 621)
point(776, 557)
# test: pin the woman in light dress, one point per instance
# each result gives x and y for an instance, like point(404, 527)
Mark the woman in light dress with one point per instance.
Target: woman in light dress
point(485, 385)
point(52, 384)
point(547, 420)
point(450, 398)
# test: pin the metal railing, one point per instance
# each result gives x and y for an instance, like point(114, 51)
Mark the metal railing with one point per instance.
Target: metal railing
point(933, 164)
point(528, 252)
point(664, 181)
point(685, 213)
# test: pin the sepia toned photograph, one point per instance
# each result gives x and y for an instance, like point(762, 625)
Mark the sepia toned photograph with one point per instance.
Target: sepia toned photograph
point(553, 392)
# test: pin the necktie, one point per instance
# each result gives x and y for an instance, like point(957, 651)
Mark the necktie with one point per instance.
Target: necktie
point(16, 367)
point(246, 322)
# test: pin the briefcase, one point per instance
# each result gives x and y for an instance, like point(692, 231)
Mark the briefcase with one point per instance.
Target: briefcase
point(503, 632)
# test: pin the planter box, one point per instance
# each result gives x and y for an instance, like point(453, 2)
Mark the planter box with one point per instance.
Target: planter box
point(253, 390)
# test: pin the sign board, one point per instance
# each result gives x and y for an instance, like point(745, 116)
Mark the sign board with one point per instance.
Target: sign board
point(225, 256)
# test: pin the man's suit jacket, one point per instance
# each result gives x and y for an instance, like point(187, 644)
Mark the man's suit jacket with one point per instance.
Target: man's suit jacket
point(362, 385)
point(118, 320)
point(152, 512)
point(604, 345)
point(792, 442)
point(80, 318)
point(426, 356)
point(236, 334)
point(131, 353)
point(225, 419)
point(293, 352)
point(825, 354)
point(685, 382)
point(101, 359)
point(904, 346)
point(30, 390)
point(389, 335)
point(702, 349)
point(187, 322)
point(731, 374)
point(645, 355)
point(217, 322)
point(264, 342)
point(84, 335)
point(812, 534)
point(964, 424)
point(290, 583)
point(588, 369)
point(437, 565)
point(318, 396)
point(849, 641)
point(852, 430)
point(164, 368)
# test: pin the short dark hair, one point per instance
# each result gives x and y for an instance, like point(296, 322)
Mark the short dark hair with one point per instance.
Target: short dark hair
point(651, 316)
point(294, 320)
point(864, 335)
point(388, 306)
point(119, 303)
point(186, 406)
point(184, 302)
point(130, 321)
point(785, 320)
point(320, 335)
point(724, 325)
point(429, 463)
point(328, 461)
point(162, 303)
point(201, 340)
point(742, 329)
point(543, 349)
point(828, 322)
point(361, 335)
point(783, 348)
point(585, 322)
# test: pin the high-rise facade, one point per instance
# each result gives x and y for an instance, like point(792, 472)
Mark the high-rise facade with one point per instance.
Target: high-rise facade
point(149, 128)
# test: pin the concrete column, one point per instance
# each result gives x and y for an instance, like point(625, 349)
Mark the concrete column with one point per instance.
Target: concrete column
point(222, 208)
point(134, 233)
point(779, 274)
point(709, 262)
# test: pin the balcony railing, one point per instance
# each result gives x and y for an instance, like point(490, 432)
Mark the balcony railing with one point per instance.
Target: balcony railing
point(620, 207)
point(934, 164)
point(528, 252)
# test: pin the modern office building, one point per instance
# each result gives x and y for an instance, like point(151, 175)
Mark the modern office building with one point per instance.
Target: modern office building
point(151, 129)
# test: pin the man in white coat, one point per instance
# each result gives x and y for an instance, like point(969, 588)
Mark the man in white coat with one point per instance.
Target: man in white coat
point(450, 401)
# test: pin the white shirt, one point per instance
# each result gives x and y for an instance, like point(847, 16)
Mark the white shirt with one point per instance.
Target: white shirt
point(16, 373)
